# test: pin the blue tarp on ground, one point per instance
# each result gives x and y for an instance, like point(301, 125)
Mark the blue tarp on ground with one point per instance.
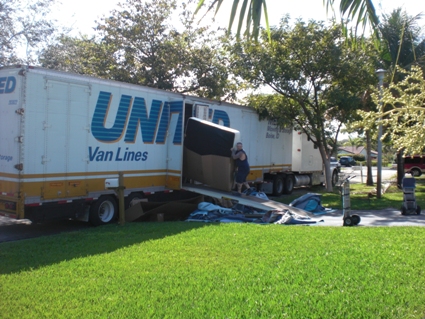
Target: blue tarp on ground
point(310, 202)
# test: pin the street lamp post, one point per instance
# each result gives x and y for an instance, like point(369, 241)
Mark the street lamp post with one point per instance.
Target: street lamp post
point(380, 73)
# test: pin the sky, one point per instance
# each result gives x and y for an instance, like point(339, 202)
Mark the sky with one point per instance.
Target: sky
point(80, 15)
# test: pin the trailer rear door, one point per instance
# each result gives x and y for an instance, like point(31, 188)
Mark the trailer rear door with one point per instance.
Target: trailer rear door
point(11, 113)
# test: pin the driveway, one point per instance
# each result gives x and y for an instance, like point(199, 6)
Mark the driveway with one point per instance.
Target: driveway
point(385, 217)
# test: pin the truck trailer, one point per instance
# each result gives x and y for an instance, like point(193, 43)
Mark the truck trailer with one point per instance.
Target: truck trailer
point(63, 135)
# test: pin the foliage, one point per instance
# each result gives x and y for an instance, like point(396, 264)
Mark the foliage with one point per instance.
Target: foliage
point(24, 25)
point(80, 55)
point(250, 11)
point(402, 111)
point(140, 43)
point(402, 43)
point(360, 11)
point(359, 157)
point(317, 79)
point(194, 270)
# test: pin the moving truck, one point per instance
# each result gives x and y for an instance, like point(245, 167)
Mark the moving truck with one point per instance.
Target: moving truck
point(63, 136)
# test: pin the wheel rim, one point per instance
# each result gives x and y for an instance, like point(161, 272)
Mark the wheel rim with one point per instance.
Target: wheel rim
point(415, 172)
point(289, 183)
point(106, 211)
point(334, 178)
point(279, 186)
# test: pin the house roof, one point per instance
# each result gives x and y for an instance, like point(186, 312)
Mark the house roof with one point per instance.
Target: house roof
point(351, 149)
point(355, 150)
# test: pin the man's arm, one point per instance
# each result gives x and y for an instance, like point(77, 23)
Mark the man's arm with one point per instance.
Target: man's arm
point(234, 155)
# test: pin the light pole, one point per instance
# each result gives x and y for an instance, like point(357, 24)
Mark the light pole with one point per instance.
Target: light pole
point(380, 73)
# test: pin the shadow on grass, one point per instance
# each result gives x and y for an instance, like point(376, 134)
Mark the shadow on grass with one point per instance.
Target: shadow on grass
point(47, 250)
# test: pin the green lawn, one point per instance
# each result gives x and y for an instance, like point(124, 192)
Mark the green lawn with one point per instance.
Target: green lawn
point(360, 198)
point(196, 270)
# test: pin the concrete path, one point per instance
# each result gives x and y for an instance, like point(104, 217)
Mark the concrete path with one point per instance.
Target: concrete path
point(386, 217)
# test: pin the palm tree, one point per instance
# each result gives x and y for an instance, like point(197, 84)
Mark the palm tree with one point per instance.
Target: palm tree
point(362, 12)
point(402, 46)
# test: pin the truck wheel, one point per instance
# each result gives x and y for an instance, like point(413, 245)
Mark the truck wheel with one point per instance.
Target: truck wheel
point(128, 200)
point(416, 172)
point(103, 211)
point(278, 185)
point(289, 184)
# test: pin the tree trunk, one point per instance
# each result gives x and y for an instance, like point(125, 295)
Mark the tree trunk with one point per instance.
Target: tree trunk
point(369, 178)
point(327, 162)
point(400, 168)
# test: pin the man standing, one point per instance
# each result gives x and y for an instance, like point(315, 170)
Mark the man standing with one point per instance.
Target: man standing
point(241, 161)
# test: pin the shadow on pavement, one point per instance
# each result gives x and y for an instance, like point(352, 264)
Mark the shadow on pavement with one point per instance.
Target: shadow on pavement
point(11, 230)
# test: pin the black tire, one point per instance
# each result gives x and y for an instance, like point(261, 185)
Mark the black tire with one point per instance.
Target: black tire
point(356, 219)
point(103, 211)
point(278, 185)
point(403, 210)
point(415, 172)
point(348, 221)
point(334, 177)
point(130, 198)
point(418, 210)
point(289, 184)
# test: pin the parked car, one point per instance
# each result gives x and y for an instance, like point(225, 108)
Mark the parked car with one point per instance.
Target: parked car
point(414, 165)
point(347, 161)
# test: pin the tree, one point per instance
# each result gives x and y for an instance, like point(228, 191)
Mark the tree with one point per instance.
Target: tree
point(354, 141)
point(82, 55)
point(139, 43)
point(403, 46)
point(316, 80)
point(402, 112)
point(402, 43)
point(23, 25)
point(361, 11)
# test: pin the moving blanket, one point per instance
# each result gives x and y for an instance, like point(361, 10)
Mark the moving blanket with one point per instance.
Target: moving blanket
point(208, 212)
point(310, 202)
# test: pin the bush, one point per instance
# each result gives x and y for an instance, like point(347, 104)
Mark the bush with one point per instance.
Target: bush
point(359, 157)
point(341, 155)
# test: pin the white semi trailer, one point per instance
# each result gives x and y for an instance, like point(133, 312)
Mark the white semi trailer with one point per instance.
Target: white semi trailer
point(63, 135)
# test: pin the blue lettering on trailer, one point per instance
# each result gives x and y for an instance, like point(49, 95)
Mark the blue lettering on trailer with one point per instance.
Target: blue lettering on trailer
point(156, 123)
point(220, 115)
point(120, 155)
point(7, 84)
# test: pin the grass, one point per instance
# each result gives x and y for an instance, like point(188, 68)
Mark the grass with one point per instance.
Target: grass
point(195, 270)
point(360, 199)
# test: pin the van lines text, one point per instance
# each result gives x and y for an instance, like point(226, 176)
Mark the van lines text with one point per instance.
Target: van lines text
point(120, 155)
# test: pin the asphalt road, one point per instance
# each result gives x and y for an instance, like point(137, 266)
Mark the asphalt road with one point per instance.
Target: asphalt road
point(360, 174)
point(12, 229)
